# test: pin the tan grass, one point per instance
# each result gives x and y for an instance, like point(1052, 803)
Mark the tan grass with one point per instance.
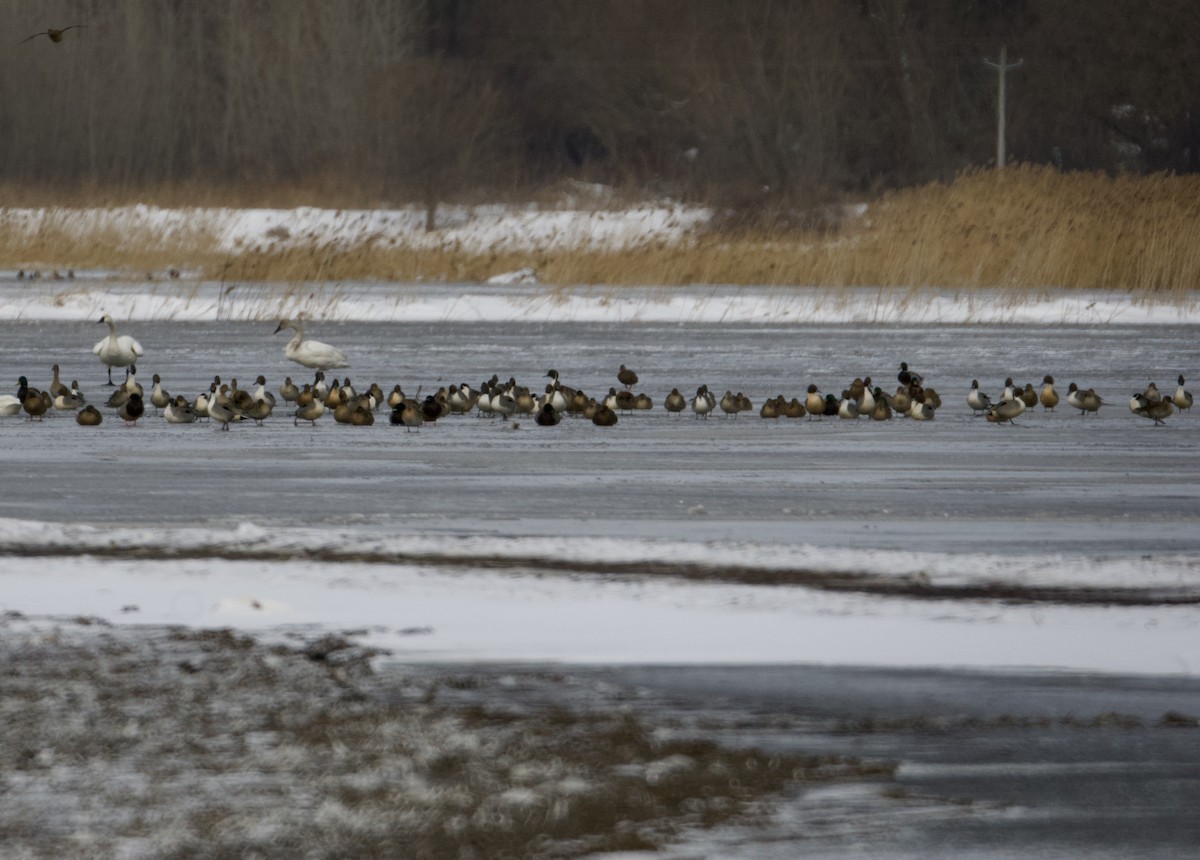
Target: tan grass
point(1028, 230)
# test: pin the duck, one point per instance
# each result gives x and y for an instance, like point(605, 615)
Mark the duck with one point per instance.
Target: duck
point(310, 353)
point(704, 402)
point(1158, 410)
point(116, 351)
point(56, 386)
point(882, 410)
point(906, 376)
point(1028, 395)
point(792, 408)
point(88, 416)
point(901, 400)
point(33, 402)
point(1091, 401)
point(132, 409)
point(549, 416)
point(159, 399)
point(627, 377)
point(769, 409)
point(259, 410)
point(1151, 393)
point(644, 402)
point(179, 411)
point(1006, 410)
point(362, 415)
point(920, 411)
point(289, 391)
point(729, 404)
point(261, 393)
point(866, 405)
point(308, 409)
point(604, 417)
point(406, 414)
point(814, 402)
point(675, 402)
point(1183, 399)
point(1009, 392)
point(848, 408)
point(977, 400)
point(1048, 397)
point(220, 409)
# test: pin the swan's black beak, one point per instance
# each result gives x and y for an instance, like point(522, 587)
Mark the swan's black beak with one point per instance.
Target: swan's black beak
point(278, 329)
point(99, 321)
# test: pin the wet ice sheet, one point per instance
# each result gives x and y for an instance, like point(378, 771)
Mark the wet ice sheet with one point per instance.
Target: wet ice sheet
point(1108, 500)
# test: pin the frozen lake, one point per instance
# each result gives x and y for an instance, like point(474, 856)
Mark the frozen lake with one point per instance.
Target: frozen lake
point(1058, 500)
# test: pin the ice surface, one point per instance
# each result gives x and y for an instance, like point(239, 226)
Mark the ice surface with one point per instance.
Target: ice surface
point(159, 517)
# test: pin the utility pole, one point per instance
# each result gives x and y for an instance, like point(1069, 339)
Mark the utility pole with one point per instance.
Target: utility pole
point(1002, 68)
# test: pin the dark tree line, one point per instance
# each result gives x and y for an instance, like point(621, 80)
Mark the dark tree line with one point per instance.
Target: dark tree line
point(735, 100)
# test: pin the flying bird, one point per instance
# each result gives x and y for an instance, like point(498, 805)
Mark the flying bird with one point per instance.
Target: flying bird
point(52, 34)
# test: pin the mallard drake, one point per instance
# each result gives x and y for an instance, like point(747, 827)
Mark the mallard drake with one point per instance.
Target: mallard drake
point(627, 377)
point(116, 351)
point(88, 416)
point(1049, 397)
point(132, 409)
point(1183, 399)
point(310, 353)
point(906, 376)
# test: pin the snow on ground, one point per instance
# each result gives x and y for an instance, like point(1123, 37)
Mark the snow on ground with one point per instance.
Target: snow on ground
point(476, 230)
point(518, 300)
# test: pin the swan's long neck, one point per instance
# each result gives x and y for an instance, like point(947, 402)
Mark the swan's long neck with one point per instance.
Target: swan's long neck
point(294, 343)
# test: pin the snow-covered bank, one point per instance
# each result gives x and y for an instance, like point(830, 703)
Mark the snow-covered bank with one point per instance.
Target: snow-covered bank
point(86, 297)
point(473, 229)
point(425, 615)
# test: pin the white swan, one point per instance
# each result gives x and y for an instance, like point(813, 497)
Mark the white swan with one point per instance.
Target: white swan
point(310, 353)
point(117, 351)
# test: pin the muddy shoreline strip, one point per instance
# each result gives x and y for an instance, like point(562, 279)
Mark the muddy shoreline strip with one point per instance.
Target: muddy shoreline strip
point(917, 586)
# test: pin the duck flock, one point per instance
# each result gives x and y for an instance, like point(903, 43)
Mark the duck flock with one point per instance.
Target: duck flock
point(227, 403)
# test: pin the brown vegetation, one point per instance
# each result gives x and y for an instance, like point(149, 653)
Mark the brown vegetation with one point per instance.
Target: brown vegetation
point(1028, 229)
